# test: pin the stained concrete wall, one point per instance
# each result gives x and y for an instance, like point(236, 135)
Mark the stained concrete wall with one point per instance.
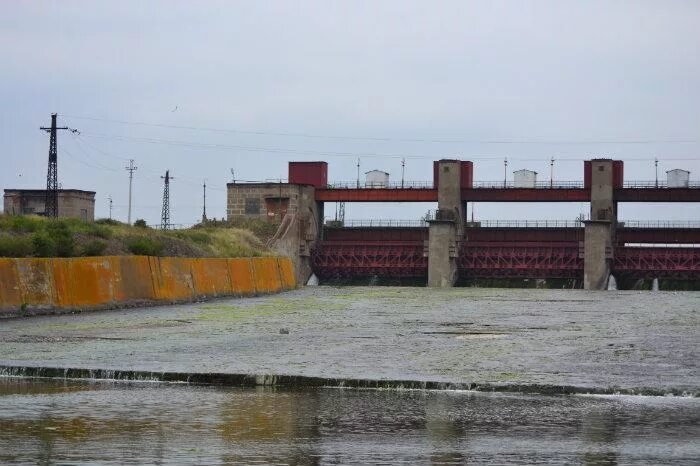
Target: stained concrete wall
point(442, 265)
point(602, 205)
point(597, 248)
point(114, 281)
point(450, 191)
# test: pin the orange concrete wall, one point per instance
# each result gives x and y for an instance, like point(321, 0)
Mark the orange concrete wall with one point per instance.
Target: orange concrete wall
point(93, 282)
point(241, 273)
point(266, 274)
point(10, 294)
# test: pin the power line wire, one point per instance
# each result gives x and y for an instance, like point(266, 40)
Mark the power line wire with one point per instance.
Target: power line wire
point(279, 150)
point(390, 139)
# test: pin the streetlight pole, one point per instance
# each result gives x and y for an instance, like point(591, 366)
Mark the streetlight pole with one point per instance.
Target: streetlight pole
point(403, 166)
point(505, 171)
point(551, 173)
point(656, 169)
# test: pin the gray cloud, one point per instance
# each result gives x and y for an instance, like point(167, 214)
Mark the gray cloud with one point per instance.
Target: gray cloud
point(546, 71)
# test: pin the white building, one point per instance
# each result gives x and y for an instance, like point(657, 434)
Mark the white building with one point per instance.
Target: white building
point(524, 178)
point(677, 178)
point(376, 179)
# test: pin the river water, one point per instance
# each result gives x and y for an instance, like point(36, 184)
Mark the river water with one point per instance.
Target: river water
point(52, 422)
point(537, 341)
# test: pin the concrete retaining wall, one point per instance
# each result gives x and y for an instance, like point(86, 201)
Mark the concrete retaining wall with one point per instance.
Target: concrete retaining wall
point(114, 281)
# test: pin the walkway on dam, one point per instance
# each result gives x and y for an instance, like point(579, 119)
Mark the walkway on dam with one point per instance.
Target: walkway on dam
point(626, 339)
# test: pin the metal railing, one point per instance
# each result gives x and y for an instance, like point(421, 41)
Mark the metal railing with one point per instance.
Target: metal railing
point(526, 224)
point(384, 223)
point(659, 184)
point(381, 185)
point(657, 224)
point(517, 223)
point(173, 226)
point(537, 185)
point(501, 185)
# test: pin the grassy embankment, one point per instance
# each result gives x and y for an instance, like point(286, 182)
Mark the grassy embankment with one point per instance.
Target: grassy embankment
point(32, 236)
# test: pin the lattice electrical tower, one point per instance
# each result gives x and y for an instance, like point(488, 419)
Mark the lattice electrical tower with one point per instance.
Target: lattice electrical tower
point(51, 203)
point(165, 213)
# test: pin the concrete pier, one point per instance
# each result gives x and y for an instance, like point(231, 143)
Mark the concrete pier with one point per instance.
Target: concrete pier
point(442, 254)
point(600, 230)
point(447, 227)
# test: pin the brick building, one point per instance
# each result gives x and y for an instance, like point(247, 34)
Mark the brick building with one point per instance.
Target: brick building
point(73, 203)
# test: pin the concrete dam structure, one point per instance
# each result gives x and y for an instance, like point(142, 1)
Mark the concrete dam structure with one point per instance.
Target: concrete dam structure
point(446, 247)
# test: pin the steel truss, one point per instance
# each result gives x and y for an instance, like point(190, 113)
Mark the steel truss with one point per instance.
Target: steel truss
point(511, 261)
point(336, 259)
point(384, 259)
point(678, 263)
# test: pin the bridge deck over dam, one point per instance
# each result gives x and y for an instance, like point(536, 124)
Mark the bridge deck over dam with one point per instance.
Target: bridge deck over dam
point(446, 246)
point(491, 192)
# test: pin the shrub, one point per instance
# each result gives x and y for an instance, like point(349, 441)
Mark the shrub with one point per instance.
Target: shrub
point(13, 246)
point(98, 230)
point(144, 246)
point(193, 235)
point(95, 247)
point(107, 221)
point(140, 223)
point(62, 237)
point(23, 223)
point(44, 245)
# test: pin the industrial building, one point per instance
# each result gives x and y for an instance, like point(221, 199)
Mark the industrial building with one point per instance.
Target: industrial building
point(72, 203)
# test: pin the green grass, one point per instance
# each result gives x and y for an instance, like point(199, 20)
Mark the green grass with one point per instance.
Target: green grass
point(34, 236)
point(144, 246)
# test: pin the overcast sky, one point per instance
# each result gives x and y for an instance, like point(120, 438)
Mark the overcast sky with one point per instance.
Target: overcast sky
point(526, 80)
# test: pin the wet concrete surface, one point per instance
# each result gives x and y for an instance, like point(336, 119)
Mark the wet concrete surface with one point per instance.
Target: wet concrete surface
point(625, 339)
point(70, 422)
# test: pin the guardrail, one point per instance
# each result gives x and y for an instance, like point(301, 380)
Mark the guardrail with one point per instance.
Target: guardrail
point(525, 224)
point(659, 184)
point(657, 224)
point(384, 223)
point(380, 185)
point(514, 223)
point(501, 185)
point(537, 185)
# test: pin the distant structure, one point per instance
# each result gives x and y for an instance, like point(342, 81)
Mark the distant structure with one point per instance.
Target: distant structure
point(51, 193)
point(71, 203)
point(524, 179)
point(677, 178)
point(376, 179)
point(165, 213)
point(204, 204)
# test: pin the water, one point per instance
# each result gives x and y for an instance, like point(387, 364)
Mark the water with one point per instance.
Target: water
point(655, 285)
point(612, 283)
point(313, 280)
point(535, 340)
point(627, 339)
point(49, 422)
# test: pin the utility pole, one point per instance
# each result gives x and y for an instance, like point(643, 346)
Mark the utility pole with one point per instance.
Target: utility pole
point(131, 168)
point(403, 167)
point(51, 196)
point(110, 206)
point(358, 173)
point(165, 213)
point(505, 171)
point(204, 206)
point(551, 173)
point(656, 169)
